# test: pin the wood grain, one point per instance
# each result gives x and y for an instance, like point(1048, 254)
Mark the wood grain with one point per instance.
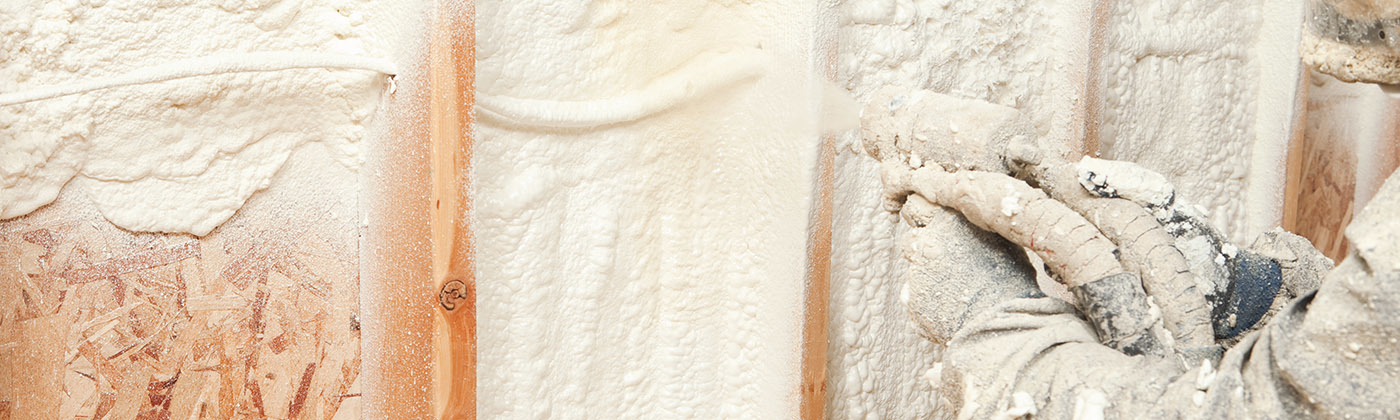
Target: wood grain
point(452, 72)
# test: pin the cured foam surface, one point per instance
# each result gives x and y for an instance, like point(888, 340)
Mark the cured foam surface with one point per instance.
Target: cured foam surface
point(642, 258)
point(1017, 53)
point(179, 155)
point(1199, 91)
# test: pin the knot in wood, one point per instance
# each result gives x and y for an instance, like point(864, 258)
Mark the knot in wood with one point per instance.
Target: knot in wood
point(453, 292)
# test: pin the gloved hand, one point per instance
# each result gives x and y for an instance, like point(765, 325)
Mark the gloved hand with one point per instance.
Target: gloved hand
point(1099, 227)
point(957, 270)
point(1129, 234)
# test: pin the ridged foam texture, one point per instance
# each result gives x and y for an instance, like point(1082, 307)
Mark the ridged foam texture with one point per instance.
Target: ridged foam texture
point(644, 256)
point(180, 155)
point(1205, 93)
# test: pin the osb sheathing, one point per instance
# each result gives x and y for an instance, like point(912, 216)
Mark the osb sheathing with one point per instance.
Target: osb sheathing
point(255, 320)
point(1351, 144)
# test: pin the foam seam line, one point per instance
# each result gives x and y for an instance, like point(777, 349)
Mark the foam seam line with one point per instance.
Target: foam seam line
point(205, 66)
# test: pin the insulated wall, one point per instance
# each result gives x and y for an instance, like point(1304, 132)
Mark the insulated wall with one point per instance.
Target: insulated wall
point(241, 142)
point(1208, 94)
point(1031, 55)
point(644, 174)
point(1205, 92)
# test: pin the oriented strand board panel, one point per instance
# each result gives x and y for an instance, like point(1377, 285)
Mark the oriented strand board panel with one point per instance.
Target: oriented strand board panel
point(258, 319)
point(1351, 144)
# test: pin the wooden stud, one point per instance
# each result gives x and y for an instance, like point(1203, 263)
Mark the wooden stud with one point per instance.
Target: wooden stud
point(452, 72)
point(815, 322)
point(818, 292)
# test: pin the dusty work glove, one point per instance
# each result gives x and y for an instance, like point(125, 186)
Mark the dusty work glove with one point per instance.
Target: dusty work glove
point(1239, 285)
point(1082, 258)
point(1331, 353)
point(1206, 288)
point(1012, 353)
point(926, 134)
point(957, 270)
